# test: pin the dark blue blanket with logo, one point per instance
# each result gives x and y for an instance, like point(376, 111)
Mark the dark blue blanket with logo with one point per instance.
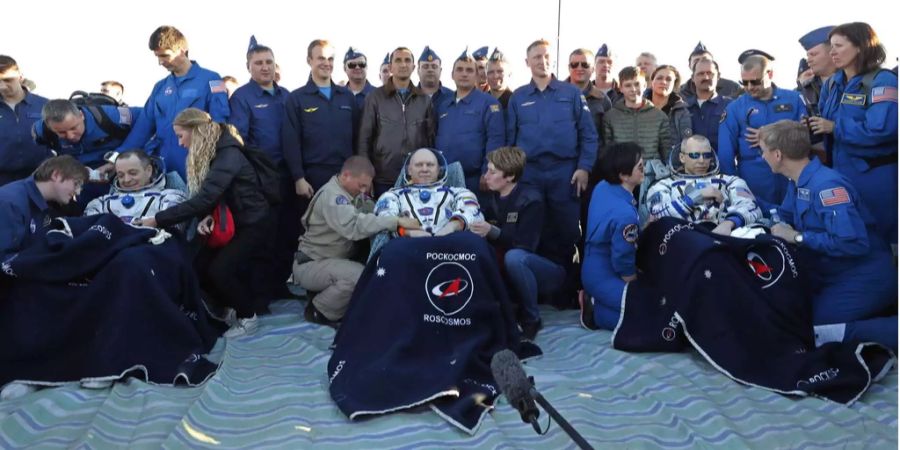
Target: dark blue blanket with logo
point(740, 303)
point(91, 298)
point(425, 319)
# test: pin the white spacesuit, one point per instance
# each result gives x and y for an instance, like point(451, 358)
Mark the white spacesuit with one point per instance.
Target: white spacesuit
point(139, 203)
point(433, 204)
point(682, 195)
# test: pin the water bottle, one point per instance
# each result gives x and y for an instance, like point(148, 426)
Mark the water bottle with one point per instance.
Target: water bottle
point(773, 214)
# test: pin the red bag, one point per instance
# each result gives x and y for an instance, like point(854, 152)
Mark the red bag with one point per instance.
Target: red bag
point(223, 227)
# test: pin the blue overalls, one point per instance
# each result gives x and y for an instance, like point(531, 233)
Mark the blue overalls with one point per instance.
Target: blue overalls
point(555, 129)
point(609, 250)
point(467, 130)
point(863, 146)
point(852, 275)
point(705, 119)
point(19, 155)
point(23, 212)
point(199, 88)
point(746, 111)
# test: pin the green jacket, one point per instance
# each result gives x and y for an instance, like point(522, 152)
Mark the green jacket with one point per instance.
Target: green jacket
point(647, 126)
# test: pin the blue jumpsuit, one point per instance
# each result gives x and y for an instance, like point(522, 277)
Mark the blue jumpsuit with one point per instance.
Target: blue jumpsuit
point(23, 212)
point(361, 96)
point(467, 130)
point(19, 155)
point(852, 274)
point(747, 111)
point(94, 142)
point(555, 129)
point(863, 145)
point(199, 88)
point(705, 119)
point(609, 250)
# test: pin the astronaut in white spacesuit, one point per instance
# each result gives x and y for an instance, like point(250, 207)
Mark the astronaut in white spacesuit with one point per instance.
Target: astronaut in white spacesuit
point(441, 209)
point(697, 192)
point(139, 190)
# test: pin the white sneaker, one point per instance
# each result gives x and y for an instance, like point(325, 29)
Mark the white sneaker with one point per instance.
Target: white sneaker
point(15, 390)
point(245, 326)
point(97, 384)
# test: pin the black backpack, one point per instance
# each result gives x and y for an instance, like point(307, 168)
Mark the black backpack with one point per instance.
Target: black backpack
point(267, 173)
point(91, 102)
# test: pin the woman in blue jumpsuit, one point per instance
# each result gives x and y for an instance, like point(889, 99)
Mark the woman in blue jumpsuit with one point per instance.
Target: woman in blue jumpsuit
point(859, 121)
point(612, 227)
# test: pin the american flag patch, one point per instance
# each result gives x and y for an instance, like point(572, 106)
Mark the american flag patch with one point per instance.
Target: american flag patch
point(744, 192)
point(834, 196)
point(217, 87)
point(884, 94)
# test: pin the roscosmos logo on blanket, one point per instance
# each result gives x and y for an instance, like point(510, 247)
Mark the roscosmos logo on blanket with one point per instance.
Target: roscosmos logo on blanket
point(449, 287)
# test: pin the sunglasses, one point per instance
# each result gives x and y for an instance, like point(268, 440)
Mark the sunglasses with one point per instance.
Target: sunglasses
point(583, 64)
point(698, 155)
point(746, 83)
point(354, 65)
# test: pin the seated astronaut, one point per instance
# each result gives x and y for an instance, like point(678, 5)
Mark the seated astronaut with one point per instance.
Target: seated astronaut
point(139, 190)
point(697, 192)
point(441, 209)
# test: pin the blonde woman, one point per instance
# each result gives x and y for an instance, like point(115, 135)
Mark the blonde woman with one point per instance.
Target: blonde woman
point(218, 172)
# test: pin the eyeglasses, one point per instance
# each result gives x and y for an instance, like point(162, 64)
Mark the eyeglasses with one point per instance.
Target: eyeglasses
point(583, 64)
point(698, 155)
point(746, 83)
point(354, 65)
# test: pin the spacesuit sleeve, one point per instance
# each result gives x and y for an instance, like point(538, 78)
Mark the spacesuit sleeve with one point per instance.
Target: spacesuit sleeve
point(742, 203)
point(663, 202)
point(171, 197)
point(466, 207)
point(94, 207)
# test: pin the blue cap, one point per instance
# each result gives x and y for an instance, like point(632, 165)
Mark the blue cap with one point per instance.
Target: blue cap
point(754, 52)
point(353, 53)
point(603, 51)
point(497, 55)
point(699, 49)
point(804, 66)
point(387, 59)
point(253, 43)
point(815, 37)
point(428, 55)
point(481, 53)
point(464, 55)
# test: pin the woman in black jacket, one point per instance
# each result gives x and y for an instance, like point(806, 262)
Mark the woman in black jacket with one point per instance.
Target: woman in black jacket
point(218, 172)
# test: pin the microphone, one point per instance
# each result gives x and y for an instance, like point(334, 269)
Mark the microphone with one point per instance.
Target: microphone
point(511, 379)
point(521, 394)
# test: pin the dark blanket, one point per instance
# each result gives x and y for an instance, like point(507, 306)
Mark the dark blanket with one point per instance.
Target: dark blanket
point(425, 319)
point(742, 305)
point(92, 299)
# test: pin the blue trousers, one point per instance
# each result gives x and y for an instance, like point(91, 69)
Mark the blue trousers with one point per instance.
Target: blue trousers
point(532, 275)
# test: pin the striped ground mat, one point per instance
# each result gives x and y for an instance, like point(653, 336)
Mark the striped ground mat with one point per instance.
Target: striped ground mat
point(271, 393)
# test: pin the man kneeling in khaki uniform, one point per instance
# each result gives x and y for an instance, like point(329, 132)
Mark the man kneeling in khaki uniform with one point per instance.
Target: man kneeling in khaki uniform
point(338, 215)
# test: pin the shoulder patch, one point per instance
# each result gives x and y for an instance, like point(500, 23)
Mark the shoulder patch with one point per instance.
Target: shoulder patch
point(836, 196)
point(217, 87)
point(342, 200)
point(884, 94)
point(124, 115)
point(630, 233)
point(381, 205)
point(724, 116)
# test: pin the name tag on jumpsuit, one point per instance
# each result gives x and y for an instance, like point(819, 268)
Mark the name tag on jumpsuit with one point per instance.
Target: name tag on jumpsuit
point(854, 99)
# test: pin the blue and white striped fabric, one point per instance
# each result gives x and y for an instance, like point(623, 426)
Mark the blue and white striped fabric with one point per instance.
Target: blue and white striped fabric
point(271, 392)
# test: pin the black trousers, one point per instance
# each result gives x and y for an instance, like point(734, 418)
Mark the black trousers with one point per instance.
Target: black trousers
point(220, 269)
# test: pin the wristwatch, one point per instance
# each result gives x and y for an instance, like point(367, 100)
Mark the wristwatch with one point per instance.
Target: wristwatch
point(798, 239)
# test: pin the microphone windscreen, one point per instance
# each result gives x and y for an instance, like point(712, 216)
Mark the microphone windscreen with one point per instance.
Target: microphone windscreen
point(510, 376)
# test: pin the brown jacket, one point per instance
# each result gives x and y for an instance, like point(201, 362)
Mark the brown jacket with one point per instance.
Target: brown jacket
point(392, 128)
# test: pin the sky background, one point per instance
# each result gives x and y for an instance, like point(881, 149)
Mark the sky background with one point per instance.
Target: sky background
point(96, 40)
